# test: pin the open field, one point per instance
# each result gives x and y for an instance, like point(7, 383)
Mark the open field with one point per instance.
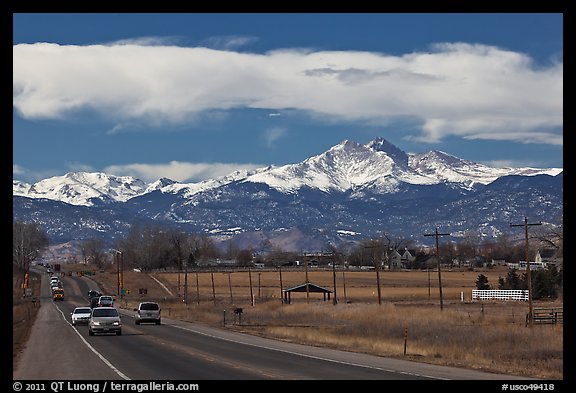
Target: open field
point(488, 335)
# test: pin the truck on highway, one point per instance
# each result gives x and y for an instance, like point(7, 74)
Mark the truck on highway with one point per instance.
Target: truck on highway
point(57, 293)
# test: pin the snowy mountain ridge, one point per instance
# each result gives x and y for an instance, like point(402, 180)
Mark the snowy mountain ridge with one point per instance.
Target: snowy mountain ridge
point(378, 167)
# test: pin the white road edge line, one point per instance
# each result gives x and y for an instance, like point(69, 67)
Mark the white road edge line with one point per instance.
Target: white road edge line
point(123, 376)
point(309, 356)
point(162, 285)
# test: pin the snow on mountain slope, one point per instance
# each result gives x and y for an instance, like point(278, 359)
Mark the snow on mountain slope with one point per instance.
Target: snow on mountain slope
point(446, 168)
point(346, 166)
point(20, 188)
point(159, 185)
point(378, 166)
point(82, 188)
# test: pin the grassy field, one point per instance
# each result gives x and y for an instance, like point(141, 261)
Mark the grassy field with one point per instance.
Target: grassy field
point(488, 335)
point(24, 312)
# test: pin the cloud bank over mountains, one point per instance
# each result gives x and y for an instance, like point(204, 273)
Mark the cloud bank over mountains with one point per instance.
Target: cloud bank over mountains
point(455, 89)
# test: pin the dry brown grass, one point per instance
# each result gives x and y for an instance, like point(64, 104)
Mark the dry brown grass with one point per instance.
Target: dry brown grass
point(24, 311)
point(491, 335)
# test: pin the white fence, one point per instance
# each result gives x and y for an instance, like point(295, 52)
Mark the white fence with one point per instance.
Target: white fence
point(500, 294)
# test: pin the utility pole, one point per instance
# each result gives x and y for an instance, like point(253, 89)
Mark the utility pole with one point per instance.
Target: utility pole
point(185, 282)
point(307, 287)
point(190, 261)
point(197, 288)
point(377, 266)
point(213, 289)
point(259, 285)
point(119, 270)
point(344, 285)
point(335, 301)
point(251, 293)
point(281, 287)
point(428, 270)
point(528, 270)
point(436, 234)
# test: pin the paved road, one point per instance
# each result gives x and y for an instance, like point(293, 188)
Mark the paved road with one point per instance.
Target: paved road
point(178, 350)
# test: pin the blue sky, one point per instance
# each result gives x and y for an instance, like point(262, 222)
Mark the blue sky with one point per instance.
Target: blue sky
point(195, 96)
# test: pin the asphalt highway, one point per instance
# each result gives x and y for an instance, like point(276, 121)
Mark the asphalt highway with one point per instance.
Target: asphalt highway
point(178, 350)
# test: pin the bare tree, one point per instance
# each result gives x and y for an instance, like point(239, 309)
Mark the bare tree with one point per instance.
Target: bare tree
point(94, 251)
point(551, 237)
point(244, 257)
point(29, 242)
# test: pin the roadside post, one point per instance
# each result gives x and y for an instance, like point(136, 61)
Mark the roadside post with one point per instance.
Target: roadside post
point(405, 339)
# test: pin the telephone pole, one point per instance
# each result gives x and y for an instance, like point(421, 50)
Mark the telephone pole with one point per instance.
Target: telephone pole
point(528, 270)
point(377, 267)
point(119, 256)
point(436, 235)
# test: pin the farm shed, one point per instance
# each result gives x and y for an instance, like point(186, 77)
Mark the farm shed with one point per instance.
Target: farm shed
point(312, 288)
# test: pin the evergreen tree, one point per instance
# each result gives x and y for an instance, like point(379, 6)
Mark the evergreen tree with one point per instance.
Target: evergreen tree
point(482, 282)
point(513, 280)
point(545, 283)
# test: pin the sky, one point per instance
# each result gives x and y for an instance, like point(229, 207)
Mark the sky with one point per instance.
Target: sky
point(194, 96)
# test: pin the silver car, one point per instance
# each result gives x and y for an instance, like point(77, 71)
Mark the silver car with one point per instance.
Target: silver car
point(147, 312)
point(81, 315)
point(105, 301)
point(104, 320)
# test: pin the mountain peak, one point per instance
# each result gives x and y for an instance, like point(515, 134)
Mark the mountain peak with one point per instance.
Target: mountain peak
point(382, 145)
point(83, 188)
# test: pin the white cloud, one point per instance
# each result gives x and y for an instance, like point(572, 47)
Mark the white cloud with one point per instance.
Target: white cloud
point(79, 167)
point(229, 42)
point(147, 41)
point(31, 176)
point(472, 91)
point(18, 170)
point(271, 135)
point(179, 171)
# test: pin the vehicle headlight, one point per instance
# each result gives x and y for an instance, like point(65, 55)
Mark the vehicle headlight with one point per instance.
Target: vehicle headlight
point(116, 323)
point(95, 323)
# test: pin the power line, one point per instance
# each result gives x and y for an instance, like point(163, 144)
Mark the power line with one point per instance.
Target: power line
point(436, 234)
point(528, 269)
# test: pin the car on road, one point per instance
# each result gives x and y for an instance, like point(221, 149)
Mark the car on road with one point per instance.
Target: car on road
point(104, 320)
point(147, 312)
point(105, 301)
point(81, 315)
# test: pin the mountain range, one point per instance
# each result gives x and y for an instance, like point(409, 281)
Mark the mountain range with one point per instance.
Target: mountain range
point(349, 192)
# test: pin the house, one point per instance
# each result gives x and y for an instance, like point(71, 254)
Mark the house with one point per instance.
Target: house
point(550, 257)
point(395, 260)
point(539, 261)
point(399, 261)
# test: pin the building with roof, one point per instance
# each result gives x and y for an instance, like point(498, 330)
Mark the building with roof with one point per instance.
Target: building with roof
point(312, 288)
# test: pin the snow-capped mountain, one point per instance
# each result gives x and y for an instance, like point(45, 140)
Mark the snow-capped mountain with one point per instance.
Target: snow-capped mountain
point(347, 166)
point(82, 188)
point(159, 184)
point(350, 191)
point(447, 168)
point(378, 167)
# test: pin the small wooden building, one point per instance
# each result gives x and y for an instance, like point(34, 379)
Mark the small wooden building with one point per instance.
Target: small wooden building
point(312, 288)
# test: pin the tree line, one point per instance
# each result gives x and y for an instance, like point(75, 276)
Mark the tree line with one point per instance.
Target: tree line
point(546, 283)
point(153, 247)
